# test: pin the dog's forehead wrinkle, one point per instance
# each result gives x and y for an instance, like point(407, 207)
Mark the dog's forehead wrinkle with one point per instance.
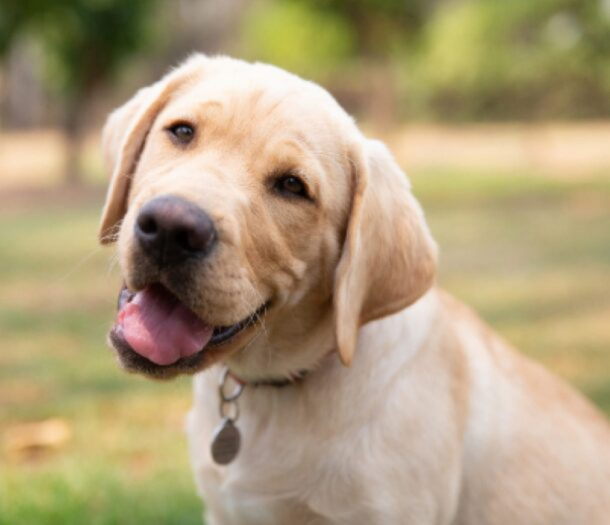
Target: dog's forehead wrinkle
point(262, 97)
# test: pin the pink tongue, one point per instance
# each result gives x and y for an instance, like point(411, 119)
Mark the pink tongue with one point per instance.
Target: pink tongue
point(159, 327)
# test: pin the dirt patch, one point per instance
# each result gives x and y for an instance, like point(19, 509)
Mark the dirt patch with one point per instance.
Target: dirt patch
point(30, 198)
point(36, 158)
point(559, 150)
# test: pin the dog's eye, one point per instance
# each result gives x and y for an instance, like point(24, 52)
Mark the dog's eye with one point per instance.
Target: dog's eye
point(291, 186)
point(182, 133)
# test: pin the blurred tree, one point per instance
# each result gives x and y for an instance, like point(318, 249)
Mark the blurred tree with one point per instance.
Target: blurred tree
point(378, 25)
point(485, 59)
point(85, 42)
point(349, 46)
point(297, 38)
point(88, 41)
point(15, 14)
point(457, 59)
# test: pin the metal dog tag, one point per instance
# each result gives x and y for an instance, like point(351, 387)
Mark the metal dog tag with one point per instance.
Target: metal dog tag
point(226, 442)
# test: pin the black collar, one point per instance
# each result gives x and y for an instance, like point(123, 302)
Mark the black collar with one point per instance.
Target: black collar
point(275, 383)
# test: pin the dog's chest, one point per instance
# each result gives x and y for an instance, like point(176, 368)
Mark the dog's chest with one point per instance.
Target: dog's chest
point(282, 473)
point(250, 492)
point(269, 483)
point(233, 507)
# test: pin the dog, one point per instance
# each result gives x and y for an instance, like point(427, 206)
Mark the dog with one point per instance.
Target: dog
point(267, 244)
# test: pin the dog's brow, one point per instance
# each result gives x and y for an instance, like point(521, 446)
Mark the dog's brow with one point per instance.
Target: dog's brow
point(204, 111)
point(288, 152)
point(294, 144)
point(210, 110)
point(210, 105)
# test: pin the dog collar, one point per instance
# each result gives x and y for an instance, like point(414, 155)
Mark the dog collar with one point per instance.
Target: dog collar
point(226, 440)
point(276, 383)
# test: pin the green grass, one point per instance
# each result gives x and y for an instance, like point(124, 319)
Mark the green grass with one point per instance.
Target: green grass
point(127, 460)
point(532, 255)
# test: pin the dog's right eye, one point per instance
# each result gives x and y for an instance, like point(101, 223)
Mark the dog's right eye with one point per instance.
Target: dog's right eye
point(182, 133)
point(289, 185)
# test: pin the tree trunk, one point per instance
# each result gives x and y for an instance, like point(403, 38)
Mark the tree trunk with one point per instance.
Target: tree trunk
point(382, 107)
point(3, 102)
point(73, 141)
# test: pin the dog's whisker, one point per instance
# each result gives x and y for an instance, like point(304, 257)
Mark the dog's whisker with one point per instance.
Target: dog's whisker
point(78, 265)
point(112, 263)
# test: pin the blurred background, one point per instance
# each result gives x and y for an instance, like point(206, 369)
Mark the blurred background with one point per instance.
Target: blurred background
point(499, 112)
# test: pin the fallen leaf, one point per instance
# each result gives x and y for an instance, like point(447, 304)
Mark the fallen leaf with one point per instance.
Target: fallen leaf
point(28, 440)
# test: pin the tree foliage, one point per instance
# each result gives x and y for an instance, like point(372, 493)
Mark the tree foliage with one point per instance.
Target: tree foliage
point(15, 15)
point(462, 59)
point(486, 59)
point(89, 40)
point(298, 38)
point(378, 25)
point(85, 42)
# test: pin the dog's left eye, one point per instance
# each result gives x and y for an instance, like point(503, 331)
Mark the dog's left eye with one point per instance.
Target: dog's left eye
point(182, 133)
point(291, 186)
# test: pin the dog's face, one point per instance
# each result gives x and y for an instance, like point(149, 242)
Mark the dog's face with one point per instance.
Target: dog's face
point(255, 225)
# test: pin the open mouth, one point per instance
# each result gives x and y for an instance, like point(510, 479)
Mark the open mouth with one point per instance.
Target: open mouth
point(155, 331)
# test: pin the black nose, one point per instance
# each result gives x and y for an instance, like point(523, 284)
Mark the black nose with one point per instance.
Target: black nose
point(171, 230)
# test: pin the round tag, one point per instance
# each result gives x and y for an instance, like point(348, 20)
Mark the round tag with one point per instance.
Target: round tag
point(225, 443)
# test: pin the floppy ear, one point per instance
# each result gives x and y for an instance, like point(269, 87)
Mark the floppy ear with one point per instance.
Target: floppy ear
point(389, 256)
point(124, 137)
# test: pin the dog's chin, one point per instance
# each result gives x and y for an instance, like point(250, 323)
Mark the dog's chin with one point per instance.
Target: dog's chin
point(135, 363)
point(224, 341)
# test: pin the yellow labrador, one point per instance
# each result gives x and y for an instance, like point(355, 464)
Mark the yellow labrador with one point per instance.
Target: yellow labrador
point(258, 230)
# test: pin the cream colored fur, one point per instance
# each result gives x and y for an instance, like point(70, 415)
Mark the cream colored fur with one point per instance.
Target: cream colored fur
point(437, 420)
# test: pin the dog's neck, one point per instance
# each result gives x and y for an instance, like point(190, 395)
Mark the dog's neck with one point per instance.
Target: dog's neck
point(281, 382)
point(405, 333)
point(284, 353)
point(278, 366)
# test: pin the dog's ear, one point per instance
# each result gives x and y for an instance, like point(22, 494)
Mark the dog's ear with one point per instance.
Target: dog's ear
point(124, 137)
point(389, 257)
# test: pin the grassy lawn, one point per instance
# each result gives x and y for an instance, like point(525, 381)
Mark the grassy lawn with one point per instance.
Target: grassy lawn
point(532, 255)
point(126, 461)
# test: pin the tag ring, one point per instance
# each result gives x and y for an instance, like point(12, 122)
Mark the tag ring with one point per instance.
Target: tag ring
point(231, 396)
point(229, 410)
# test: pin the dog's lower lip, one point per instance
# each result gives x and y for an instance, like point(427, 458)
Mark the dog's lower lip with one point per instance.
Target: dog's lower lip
point(221, 334)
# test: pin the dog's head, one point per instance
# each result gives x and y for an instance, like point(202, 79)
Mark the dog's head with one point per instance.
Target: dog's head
point(255, 224)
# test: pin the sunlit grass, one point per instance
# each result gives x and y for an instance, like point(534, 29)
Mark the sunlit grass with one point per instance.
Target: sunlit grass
point(126, 461)
point(532, 255)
